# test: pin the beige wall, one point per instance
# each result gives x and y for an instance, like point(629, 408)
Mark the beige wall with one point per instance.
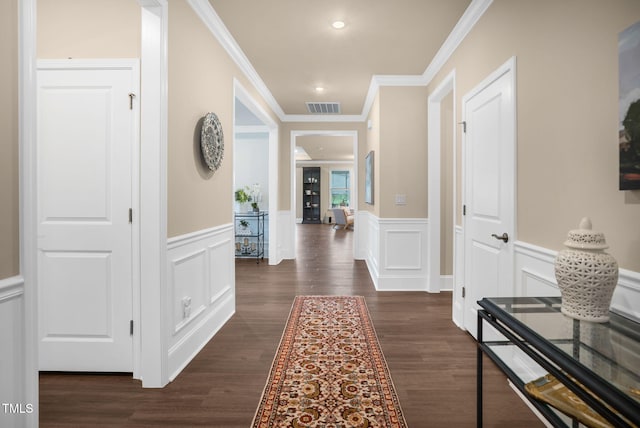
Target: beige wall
point(372, 144)
point(201, 79)
point(9, 222)
point(88, 29)
point(567, 109)
point(402, 157)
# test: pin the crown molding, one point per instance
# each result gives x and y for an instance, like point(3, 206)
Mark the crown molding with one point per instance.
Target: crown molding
point(208, 15)
point(469, 18)
point(467, 21)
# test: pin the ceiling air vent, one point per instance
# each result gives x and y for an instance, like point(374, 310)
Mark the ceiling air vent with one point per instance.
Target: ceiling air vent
point(323, 108)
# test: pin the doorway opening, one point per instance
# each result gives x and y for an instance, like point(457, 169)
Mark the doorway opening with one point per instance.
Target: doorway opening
point(330, 151)
point(443, 189)
point(256, 162)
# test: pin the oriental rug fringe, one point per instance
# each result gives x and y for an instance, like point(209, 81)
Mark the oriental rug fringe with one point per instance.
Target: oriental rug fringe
point(329, 371)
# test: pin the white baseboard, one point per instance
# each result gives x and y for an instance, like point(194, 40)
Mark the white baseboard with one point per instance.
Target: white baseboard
point(446, 282)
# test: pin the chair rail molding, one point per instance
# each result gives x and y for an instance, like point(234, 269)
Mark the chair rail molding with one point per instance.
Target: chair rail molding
point(535, 276)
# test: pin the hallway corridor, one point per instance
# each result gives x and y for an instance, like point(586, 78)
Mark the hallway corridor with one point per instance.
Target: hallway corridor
point(432, 362)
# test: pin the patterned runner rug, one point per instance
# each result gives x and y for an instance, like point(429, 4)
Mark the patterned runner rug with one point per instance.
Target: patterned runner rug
point(329, 371)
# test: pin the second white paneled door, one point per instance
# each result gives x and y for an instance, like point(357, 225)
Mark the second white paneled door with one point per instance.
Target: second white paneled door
point(489, 194)
point(87, 125)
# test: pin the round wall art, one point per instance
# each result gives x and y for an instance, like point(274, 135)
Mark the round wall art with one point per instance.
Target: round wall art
point(212, 141)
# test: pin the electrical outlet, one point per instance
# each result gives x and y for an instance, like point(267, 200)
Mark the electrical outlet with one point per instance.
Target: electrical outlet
point(186, 307)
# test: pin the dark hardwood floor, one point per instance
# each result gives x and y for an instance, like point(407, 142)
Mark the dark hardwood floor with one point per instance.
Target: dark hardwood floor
point(432, 362)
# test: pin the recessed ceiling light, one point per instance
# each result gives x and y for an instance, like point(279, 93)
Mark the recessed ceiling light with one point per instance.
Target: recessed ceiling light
point(338, 25)
point(319, 89)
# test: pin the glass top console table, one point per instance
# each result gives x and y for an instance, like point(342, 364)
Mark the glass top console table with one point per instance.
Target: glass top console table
point(597, 362)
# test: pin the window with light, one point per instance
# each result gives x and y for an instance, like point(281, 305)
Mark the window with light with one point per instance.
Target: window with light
point(340, 189)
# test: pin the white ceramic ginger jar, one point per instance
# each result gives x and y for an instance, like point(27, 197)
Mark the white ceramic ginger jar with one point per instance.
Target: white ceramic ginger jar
point(586, 274)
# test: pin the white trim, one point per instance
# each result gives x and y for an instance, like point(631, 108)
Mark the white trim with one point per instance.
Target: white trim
point(212, 21)
point(189, 238)
point(242, 95)
point(457, 301)
point(153, 194)
point(323, 162)
point(27, 111)
point(11, 287)
point(200, 265)
point(446, 282)
point(467, 21)
point(354, 192)
point(447, 86)
point(395, 250)
point(535, 276)
point(465, 24)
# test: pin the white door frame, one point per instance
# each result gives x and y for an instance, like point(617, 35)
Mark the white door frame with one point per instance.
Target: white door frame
point(152, 328)
point(434, 182)
point(271, 126)
point(27, 105)
point(354, 194)
point(151, 345)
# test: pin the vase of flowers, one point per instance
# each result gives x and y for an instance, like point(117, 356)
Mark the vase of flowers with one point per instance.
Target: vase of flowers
point(586, 275)
point(242, 198)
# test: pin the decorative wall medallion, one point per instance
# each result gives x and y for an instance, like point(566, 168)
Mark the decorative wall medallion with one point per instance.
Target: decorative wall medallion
point(212, 141)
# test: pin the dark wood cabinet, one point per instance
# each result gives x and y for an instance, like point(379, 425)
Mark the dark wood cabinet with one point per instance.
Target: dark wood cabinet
point(311, 195)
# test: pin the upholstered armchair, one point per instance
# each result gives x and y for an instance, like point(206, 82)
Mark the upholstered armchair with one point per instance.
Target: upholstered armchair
point(343, 217)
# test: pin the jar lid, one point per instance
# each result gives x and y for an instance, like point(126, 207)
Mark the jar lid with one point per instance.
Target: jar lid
point(586, 239)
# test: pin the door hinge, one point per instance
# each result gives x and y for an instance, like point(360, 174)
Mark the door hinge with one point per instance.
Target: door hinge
point(131, 97)
point(464, 126)
point(131, 328)
point(464, 292)
point(130, 215)
point(464, 210)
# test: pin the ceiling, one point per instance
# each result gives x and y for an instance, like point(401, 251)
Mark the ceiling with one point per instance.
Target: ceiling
point(324, 148)
point(294, 49)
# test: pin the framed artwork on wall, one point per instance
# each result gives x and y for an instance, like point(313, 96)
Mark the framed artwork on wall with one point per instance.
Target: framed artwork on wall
point(368, 178)
point(629, 101)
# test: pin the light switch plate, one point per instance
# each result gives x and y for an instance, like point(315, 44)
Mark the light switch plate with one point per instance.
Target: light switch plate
point(401, 199)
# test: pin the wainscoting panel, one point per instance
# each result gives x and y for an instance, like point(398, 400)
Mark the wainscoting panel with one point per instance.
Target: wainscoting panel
point(285, 238)
point(201, 274)
point(404, 250)
point(396, 252)
point(222, 269)
point(535, 276)
point(362, 228)
point(12, 337)
point(534, 271)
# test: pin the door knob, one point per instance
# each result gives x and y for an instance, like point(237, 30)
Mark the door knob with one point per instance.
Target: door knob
point(504, 237)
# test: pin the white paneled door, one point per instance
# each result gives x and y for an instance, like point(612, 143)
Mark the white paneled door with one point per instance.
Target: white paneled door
point(489, 168)
point(86, 137)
